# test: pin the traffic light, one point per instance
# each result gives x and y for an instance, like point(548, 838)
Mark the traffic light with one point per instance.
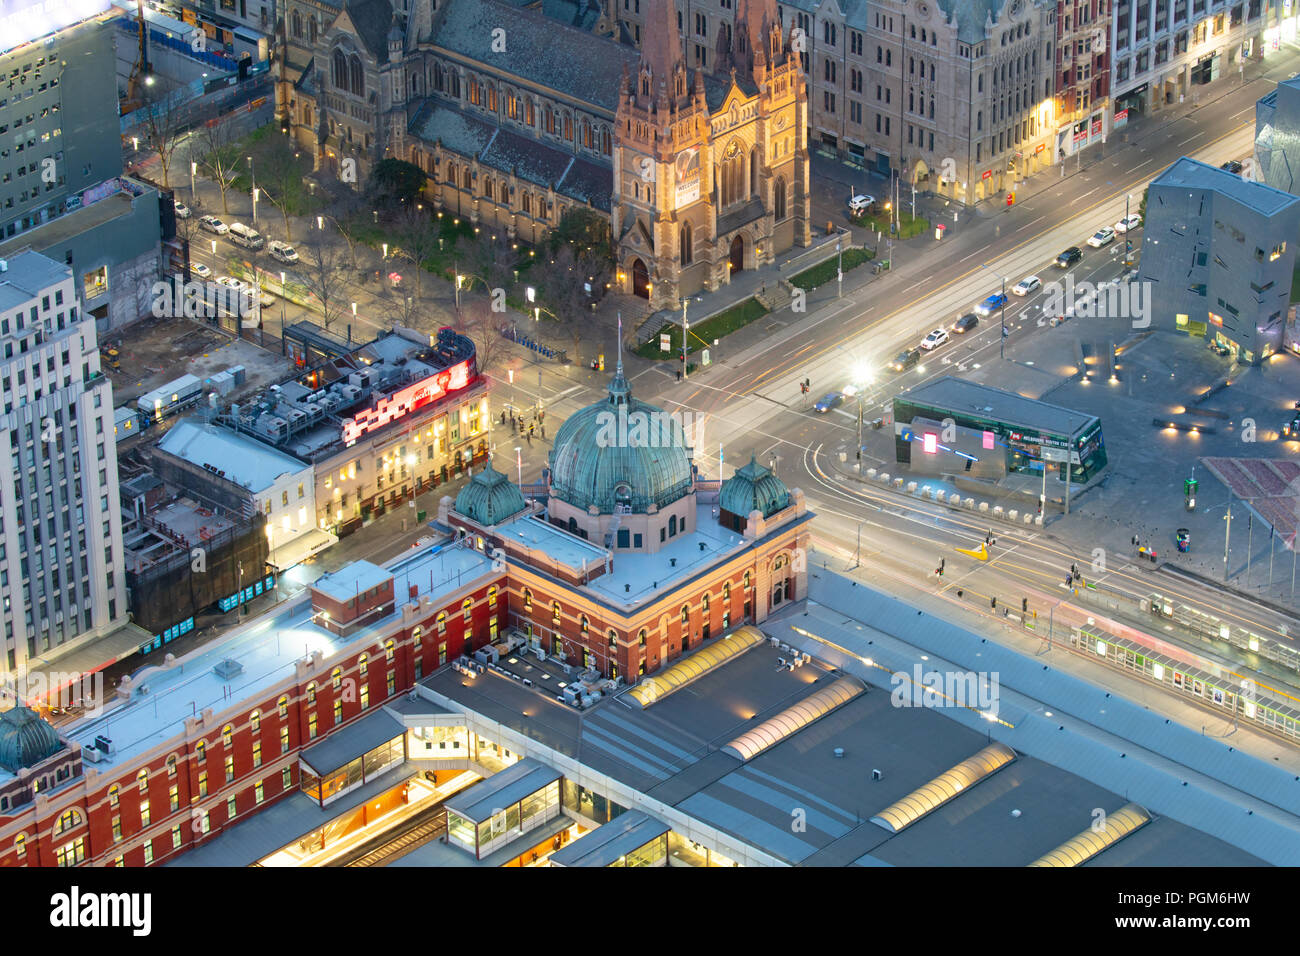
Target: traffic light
point(1024, 605)
point(993, 603)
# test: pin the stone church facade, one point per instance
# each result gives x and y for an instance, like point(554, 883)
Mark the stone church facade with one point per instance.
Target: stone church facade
point(518, 114)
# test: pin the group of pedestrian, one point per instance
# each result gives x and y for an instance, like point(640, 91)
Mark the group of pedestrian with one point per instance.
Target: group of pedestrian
point(517, 425)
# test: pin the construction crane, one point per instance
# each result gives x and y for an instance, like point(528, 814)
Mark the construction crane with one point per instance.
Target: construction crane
point(141, 71)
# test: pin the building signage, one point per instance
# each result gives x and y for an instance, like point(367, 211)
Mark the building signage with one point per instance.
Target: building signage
point(687, 172)
point(406, 400)
point(1121, 119)
point(1096, 124)
point(988, 173)
point(1039, 148)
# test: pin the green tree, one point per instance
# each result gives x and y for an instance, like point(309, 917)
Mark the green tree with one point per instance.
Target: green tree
point(280, 172)
point(395, 181)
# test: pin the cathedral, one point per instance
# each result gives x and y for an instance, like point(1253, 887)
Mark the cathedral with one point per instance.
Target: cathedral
point(521, 110)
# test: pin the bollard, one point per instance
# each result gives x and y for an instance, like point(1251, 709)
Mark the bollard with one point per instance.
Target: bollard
point(954, 499)
point(969, 503)
point(871, 472)
point(898, 482)
point(1029, 519)
point(984, 507)
point(911, 487)
point(997, 511)
point(1038, 520)
point(1013, 515)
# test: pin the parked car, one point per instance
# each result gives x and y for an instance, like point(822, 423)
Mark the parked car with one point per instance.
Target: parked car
point(238, 285)
point(214, 225)
point(182, 210)
point(200, 270)
point(282, 251)
point(1027, 285)
point(905, 359)
point(1127, 223)
point(266, 299)
point(828, 401)
point(1102, 237)
point(1069, 257)
point(860, 203)
point(934, 339)
point(1232, 166)
point(966, 323)
point(990, 305)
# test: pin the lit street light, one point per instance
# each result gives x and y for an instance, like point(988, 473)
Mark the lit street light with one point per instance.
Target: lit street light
point(1002, 351)
point(253, 176)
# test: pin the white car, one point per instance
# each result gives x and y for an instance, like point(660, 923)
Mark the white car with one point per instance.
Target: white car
point(213, 224)
point(200, 270)
point(934, 339)
point(1102, 237)
point(860, 203)
point(1127, 223)
point(182, 210)
point(266, 299)
point(1026, 285)
point(237, 284)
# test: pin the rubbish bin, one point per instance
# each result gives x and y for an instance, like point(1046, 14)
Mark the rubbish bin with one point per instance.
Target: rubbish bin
point(421, 515)
point(1184, 539)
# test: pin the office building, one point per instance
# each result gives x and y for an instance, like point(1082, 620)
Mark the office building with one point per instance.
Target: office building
point(1218, 252)
point(62, 578)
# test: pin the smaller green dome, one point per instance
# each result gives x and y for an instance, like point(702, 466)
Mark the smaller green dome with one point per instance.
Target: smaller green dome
point(490, 498)
point(754, 488)
point(25, 739)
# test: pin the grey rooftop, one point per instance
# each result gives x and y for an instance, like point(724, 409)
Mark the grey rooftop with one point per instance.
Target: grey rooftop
point(984, 401)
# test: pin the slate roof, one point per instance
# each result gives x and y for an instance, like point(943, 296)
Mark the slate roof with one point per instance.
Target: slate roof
point(539, 50)
point(372, 18)
point(502, 149)
point(971, 16)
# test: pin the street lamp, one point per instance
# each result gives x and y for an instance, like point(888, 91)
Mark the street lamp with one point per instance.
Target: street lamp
point(253, 176)
point(385, 250)
point(214, 247)
point(861, 378)
point(519, 462)
point(685, 330)
point(194, 168)
point(320, 223)
point(281, 304)
point(839, 272)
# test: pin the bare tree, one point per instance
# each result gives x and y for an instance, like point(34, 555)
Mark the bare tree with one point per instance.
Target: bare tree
point(416, 233)
point(280, 172)
point(492, 257)
point(162, 125)
point(219, 159)
point(321, 261)
point(478, 322)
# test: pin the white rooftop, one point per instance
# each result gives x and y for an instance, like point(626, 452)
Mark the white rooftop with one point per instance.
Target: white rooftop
point(245, 461)
point(266, 648)
point(347, 582)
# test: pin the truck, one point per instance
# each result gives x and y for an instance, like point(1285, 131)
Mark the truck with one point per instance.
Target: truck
point(170, 398)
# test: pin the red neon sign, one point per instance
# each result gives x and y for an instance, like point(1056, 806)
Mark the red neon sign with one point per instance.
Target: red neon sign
point(403, 402)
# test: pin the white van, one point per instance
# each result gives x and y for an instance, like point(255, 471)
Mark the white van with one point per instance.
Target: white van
point(241, 235)
point(282, 251)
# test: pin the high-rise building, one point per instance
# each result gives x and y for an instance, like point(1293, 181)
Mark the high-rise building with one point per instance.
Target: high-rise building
point(62, 188)
point(61, 574)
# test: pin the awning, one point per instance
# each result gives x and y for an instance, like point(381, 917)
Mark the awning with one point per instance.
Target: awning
point(343, 746)
point(610, 842)
point(300, 547)
point(94, 655)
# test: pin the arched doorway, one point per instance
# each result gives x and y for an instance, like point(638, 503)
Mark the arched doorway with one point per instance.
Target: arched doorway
point(737, 254)
point(640, 279)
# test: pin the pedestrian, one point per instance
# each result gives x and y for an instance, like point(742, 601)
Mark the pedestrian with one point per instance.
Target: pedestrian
point(503, 416)
point(541, 415)
point(543, 431)
point(529, 436)
point(1069, 579)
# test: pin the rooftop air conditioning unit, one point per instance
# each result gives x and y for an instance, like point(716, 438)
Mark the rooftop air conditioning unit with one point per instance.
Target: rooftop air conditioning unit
point(228, 669)
point(93, 754)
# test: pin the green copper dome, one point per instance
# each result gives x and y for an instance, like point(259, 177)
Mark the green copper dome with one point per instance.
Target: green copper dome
point(620, 455)
point(754, 488)
point(25, 739)
point(490, 498)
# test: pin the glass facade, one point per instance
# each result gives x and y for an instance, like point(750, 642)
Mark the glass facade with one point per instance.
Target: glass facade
point(483, 837)
point(356, 772)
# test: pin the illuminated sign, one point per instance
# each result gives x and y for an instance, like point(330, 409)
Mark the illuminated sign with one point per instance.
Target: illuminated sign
point(988, 439)
point(687, 168)
point(930, 443)
point(403, 402)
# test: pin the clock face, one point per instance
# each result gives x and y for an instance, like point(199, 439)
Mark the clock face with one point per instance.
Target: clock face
point(780, 122)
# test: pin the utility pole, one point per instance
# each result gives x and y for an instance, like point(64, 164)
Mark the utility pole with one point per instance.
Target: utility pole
point(859, 455)
point(1226, 536)
point(1002, 342)
point(1128, 237)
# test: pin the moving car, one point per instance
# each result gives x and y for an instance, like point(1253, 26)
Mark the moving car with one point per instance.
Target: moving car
point(828, 401)
point(990, 305)
point(1027, 285)
point(966, 323)
point(200, 270)
point(860, 203)
point(182, 210)
point(282, 251)
point(1291, 430)
point(934, 339)
point(1232, 166)
point(1127, 223)
point(905, 359)
point(1102, 237)
point(213, 224)
point(1069, 257)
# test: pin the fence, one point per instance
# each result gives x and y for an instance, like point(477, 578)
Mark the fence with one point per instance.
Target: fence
point(513, 334)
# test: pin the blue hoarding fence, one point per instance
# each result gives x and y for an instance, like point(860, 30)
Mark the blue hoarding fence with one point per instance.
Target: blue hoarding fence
point(514, 335)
